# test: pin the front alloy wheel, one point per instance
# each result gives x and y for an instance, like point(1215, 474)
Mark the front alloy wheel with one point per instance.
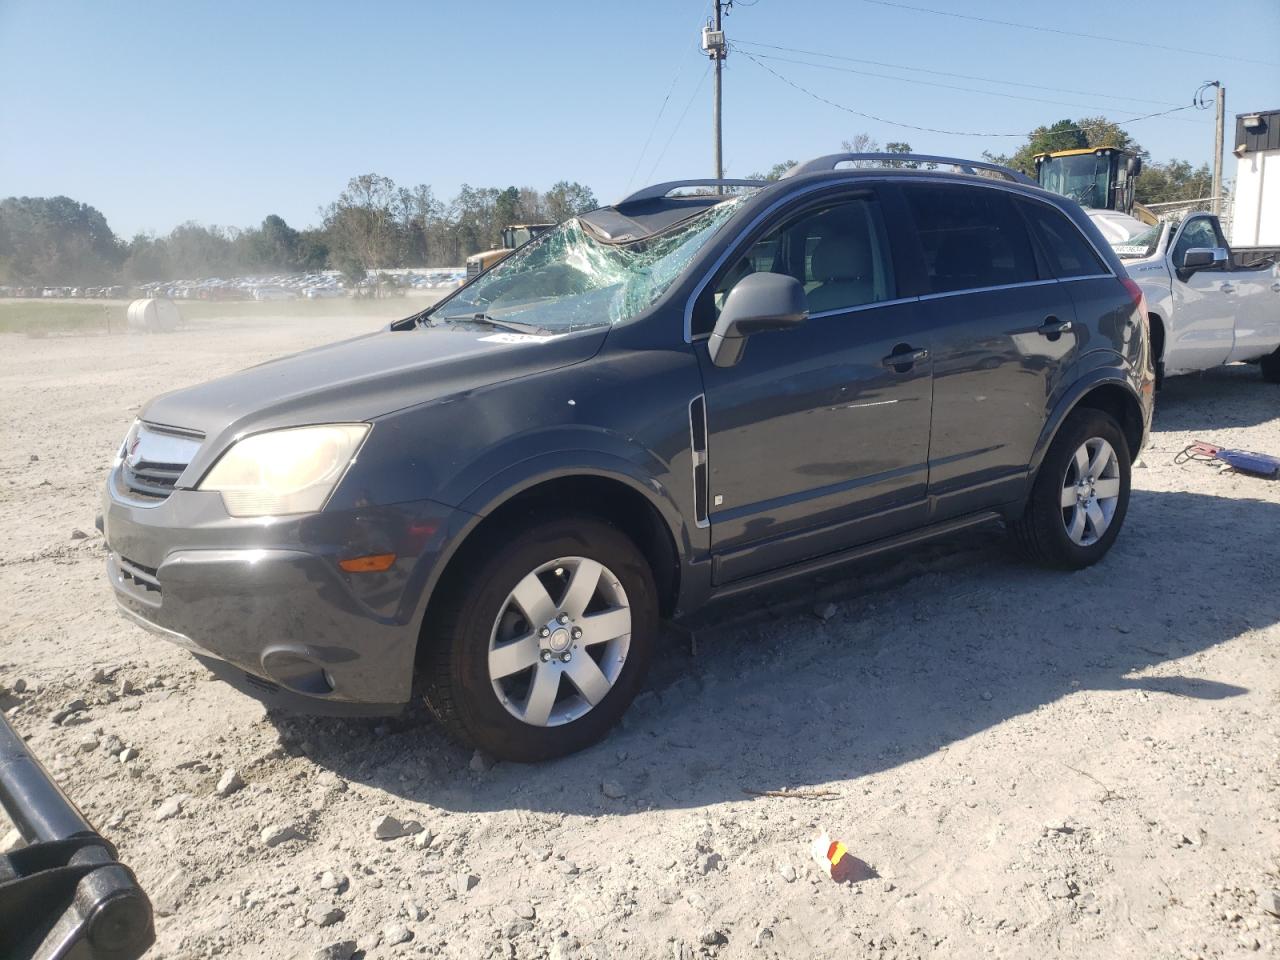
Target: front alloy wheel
point(560, 642)
point(542, 637)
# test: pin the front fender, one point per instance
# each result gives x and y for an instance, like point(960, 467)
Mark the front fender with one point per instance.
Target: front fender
point(638, 471)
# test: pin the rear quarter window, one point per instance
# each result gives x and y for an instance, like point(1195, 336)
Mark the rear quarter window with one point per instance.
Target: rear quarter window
point(1068, 252)
point(971, 237)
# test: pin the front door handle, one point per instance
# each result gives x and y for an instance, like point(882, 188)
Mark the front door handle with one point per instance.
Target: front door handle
point(1053, 327)
point(904, 357)
point(1275, 287)
point(1227, 288)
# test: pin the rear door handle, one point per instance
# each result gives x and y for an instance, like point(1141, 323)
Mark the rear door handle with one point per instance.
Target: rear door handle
point(1275, 287)
point(1227, 288)
point(904, 358)
point(1052, 326)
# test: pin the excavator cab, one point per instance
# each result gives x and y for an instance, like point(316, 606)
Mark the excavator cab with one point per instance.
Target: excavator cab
point(1098, 178)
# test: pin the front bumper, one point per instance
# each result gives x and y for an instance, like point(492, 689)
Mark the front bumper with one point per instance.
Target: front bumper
point(264, 603)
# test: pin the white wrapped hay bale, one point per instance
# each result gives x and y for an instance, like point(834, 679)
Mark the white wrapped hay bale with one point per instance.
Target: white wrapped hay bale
point(153, 315)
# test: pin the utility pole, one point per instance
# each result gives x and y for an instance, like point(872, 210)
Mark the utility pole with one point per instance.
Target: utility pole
point(713, 43)
point(1217, 146)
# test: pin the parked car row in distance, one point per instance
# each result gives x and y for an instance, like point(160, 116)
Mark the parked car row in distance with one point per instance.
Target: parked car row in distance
point(310, 286)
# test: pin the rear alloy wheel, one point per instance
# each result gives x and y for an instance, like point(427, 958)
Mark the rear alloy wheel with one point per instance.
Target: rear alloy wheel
point(1080, 495)
point(1090, 492)
point(543, 641)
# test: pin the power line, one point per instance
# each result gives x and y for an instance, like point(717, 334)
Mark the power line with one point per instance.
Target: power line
point(1068, 33)
point(929, 83)
point(960, 76)
point(656, 120)
point(683, 114)
point(923, 129)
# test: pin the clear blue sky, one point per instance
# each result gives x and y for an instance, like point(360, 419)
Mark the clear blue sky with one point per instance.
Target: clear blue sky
point(223, 112)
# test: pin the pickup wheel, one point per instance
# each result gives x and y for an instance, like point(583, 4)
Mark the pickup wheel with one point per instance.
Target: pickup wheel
point(544, 639)
point(1271, 367)
point(1080, 495)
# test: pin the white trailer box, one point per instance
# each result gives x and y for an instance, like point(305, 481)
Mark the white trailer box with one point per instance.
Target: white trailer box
point(1255, 218)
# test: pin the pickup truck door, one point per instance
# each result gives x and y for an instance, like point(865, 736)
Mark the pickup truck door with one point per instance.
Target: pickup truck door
point(1202, 329)
point(1257, 296)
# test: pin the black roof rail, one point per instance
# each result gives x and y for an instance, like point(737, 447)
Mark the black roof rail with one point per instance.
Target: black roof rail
point(660, 190)
point(971, 167)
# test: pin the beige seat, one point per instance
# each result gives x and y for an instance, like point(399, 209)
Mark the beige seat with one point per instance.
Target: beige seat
point(843, 267)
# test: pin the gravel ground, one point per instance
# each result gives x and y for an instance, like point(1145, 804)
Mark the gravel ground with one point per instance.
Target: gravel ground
point(1024, 763)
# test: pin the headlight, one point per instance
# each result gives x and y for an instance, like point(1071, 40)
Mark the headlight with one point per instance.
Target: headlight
point(284, 471)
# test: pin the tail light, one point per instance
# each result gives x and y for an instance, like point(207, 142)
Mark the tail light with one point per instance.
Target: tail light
point(1138, 297)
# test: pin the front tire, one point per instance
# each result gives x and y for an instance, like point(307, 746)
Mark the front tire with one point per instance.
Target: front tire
point(543, 641)
point(1080, 496)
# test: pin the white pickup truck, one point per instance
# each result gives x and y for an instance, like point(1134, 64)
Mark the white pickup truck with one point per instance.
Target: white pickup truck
point(1206, 308)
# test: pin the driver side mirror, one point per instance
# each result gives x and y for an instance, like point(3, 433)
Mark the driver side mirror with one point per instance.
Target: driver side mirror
point(757, 303)
point(1134, 166)
point(1204, 258)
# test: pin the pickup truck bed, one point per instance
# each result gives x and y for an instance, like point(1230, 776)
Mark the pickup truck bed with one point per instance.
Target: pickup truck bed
point(1252, 256)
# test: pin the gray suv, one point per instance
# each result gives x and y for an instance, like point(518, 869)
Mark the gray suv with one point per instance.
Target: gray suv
point(664, 402)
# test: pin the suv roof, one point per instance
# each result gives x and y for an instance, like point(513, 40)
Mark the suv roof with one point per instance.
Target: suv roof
point(656, 208)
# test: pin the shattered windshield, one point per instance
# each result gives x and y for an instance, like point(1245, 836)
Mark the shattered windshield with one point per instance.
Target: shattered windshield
point(568, 279)
point(1140, 246)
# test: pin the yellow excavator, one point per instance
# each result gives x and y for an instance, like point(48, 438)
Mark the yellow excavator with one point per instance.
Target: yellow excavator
point(1098, 178)
point(516, 235)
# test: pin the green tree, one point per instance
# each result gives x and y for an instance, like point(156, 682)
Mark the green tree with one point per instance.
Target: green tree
point(1101, 132)
point(362, 227)
point(58, 240)
point(566, 200)
point(506, 208)
point(1172, 181)
point(1067, 135)
point(275, 244)
point(775, 172)
point(148, 259)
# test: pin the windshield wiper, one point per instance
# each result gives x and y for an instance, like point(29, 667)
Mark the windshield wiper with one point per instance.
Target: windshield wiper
point(514, 326)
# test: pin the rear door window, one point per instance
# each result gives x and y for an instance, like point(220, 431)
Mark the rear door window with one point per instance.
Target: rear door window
point(971, 237)
point(1069, 253)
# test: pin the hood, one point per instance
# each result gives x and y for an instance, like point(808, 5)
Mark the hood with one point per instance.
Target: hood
point(1117, 227)
point(365, 378)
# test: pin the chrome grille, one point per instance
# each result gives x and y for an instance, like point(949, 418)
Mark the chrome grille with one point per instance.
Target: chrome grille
point(153, 459)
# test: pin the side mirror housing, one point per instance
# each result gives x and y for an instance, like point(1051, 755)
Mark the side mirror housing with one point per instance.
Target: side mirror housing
point(757, 303)
point(1134, 166)
point(1203, 258)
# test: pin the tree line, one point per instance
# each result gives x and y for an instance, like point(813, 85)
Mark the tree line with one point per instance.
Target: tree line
point(1157, 183)
point(373, 224)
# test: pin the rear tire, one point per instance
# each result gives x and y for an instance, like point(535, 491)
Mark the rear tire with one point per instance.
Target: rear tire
point(1080, 495)
point(1270, 365)
point(1157, 349)
point(505, 674)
